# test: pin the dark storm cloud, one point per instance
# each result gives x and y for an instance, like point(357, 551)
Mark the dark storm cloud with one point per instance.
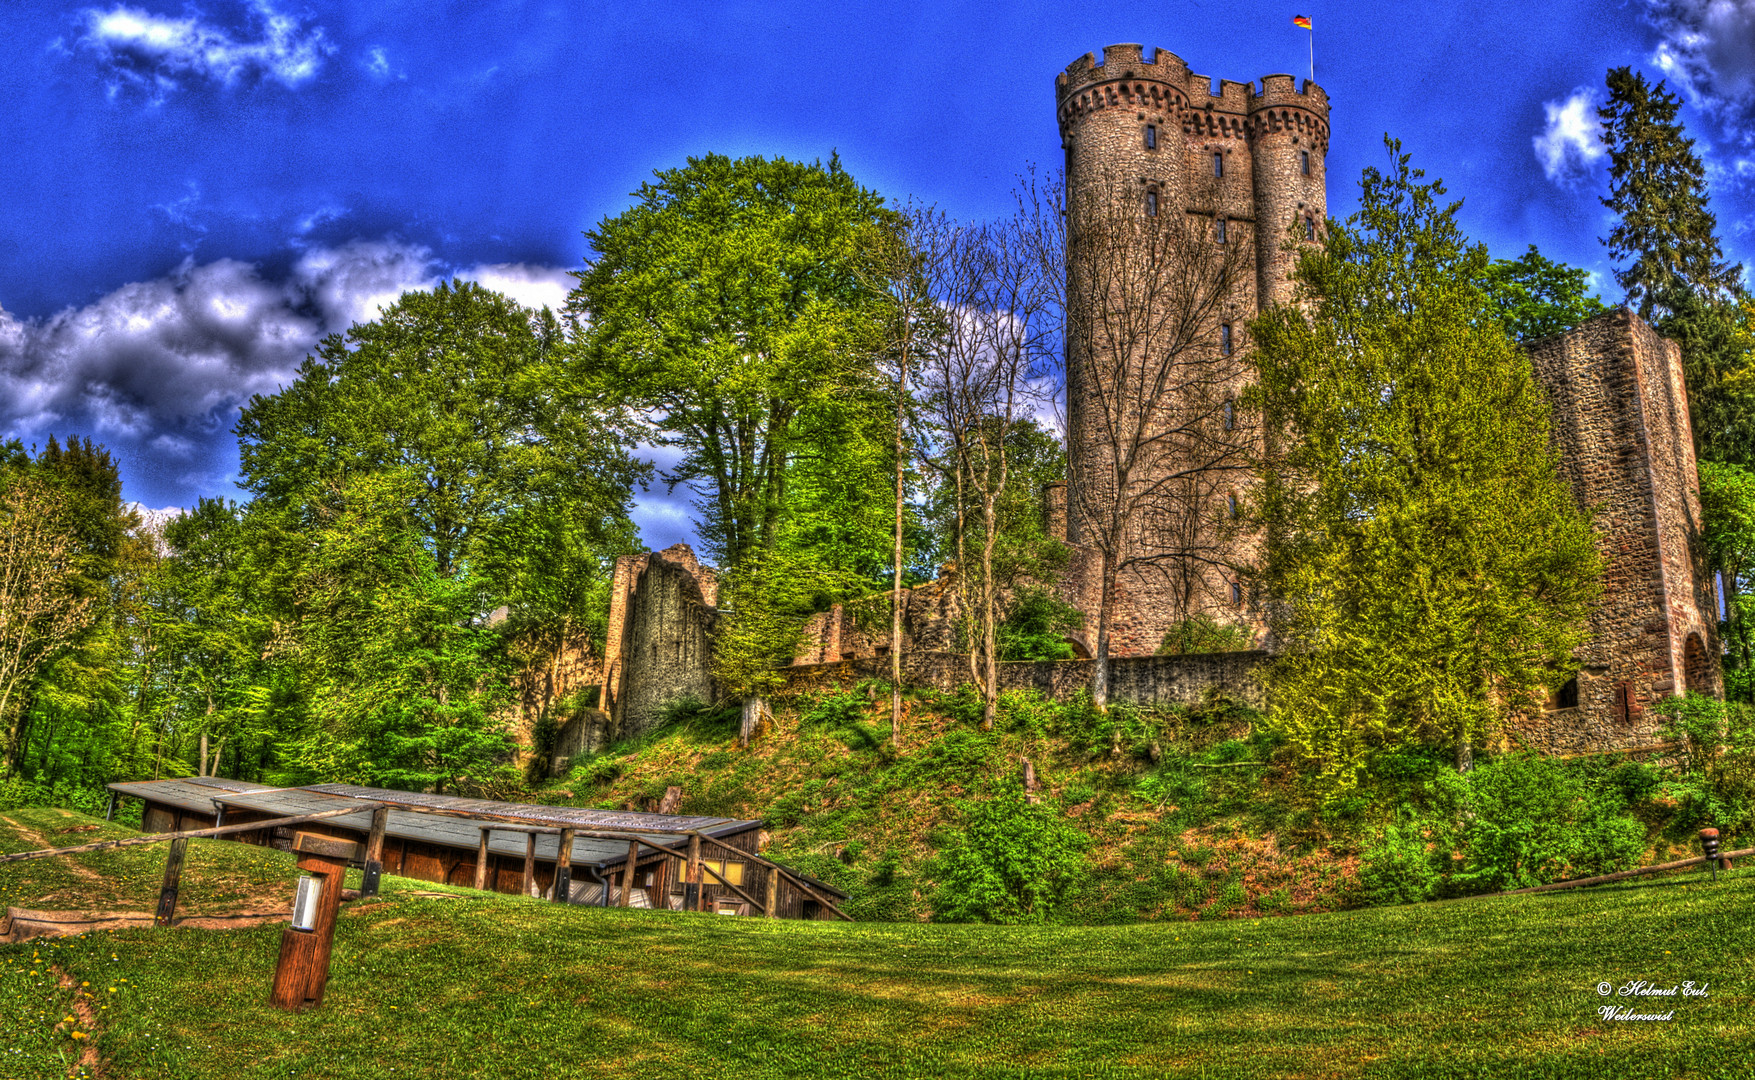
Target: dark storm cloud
point(1708, 48)
point(156, 370)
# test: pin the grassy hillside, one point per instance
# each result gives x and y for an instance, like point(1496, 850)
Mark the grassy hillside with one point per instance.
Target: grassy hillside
point(444, 983)
point(1170, 814)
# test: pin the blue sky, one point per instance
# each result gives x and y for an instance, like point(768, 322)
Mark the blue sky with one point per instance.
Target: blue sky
point(195, 192)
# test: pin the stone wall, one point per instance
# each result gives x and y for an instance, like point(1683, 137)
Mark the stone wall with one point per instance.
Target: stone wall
point(660, 641)
point(1137, 680)
point(1620, 425)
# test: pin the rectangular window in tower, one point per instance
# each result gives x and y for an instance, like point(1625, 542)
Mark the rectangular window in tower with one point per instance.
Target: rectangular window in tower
point(1151, 204)
point(1218, 164)
point(1231, 499)
point(1236, 593)
point(1151, 136)
point(1230, 414)
point(1219, 230)
point(1310, 228)
point(1225, 350)
point(1304, 162)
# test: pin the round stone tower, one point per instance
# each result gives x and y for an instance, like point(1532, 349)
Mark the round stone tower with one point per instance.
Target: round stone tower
point(1222, 167)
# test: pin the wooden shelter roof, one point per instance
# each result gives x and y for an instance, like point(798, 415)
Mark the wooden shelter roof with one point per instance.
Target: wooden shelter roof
point(196, 793)
point(559, 817)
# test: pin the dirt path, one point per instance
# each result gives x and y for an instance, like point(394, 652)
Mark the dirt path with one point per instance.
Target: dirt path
point(43, 843)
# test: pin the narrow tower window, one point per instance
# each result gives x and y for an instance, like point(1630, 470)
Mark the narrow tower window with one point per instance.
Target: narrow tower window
point(1219, 230)
point(1236, 593)
point(1232, 499)
point(1151, 204)
point(1304, 161)
point(1218, 164)
point(1152, 138)
point(1225, 350)
point(1309, 228)
point(1230, 414)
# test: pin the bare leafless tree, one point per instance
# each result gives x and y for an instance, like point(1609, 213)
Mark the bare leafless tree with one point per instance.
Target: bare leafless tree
point(975, 385)
point(1155, 304)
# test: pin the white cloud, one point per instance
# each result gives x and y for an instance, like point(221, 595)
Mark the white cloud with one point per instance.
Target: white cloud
point(1569, 143)
point(1707, 47)
point(535, 287)
point(155, 54)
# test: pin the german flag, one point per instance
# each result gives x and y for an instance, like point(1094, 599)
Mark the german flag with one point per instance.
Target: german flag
point(1301, 20)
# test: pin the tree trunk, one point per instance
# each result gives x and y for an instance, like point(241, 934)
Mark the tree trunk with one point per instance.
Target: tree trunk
point(1100, 658)
point(754, 708)
point(989, 637)
point(896, 596)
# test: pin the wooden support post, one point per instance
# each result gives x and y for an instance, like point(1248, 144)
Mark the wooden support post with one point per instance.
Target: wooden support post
point(628, 874)
point(529, 886)
point(374, 861)
point(481, 860)
point(660, 893)
point(692, 890)
point(110, 808)
point(772, 907)
point(167, 893)
point(302, 973)
point(563, 887)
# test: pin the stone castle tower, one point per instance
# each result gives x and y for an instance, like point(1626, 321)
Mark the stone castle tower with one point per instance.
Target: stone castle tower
point(1148, 139)
point(1234, 176)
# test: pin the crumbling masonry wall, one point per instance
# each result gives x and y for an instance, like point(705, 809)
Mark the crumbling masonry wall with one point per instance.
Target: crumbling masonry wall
point(659, 645)
point(1620, 426)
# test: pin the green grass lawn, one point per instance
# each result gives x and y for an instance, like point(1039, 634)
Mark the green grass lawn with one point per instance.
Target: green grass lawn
point(486, 986)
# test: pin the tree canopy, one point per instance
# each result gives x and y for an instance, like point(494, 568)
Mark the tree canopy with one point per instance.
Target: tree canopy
point(1432, 570)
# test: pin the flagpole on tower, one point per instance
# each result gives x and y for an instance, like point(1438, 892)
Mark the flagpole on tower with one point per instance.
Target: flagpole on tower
point(1304, 21)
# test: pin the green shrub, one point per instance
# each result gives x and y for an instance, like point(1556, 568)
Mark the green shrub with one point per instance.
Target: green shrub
point(1036, 625)
point(1529, 820)
point(1400, 868)
point(1011, 862)
point(1716, 761)
point(1203, 634)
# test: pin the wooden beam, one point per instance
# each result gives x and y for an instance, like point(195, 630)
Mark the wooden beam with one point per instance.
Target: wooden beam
point(374, 861)
point(529, 884)
point(167, 893)
point(481, 860)
point(694, 873)
point(789, 875)
point(160, 838)
point(563, 886)
point(748, 899)
point(773, 894)
point(628, 874)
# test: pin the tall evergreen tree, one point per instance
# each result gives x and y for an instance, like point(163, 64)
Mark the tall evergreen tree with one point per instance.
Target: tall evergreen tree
point(1658, 187)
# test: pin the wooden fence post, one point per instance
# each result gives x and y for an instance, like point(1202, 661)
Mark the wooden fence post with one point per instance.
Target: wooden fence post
point(167, 893)
point(529, 888)
point(374, 863)
point(303, 969)
point(773, 896)
point(563, 890)
point(481, 859)
point(628, 874)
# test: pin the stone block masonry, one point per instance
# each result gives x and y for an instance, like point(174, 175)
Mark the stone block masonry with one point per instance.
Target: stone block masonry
point(1620, 427)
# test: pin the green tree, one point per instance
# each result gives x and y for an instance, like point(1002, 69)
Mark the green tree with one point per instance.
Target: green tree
point(728, 305)
point(418, 474)
point(1433, 571)
point(1727, 509)
point(1537, 297)
point(1666, 235)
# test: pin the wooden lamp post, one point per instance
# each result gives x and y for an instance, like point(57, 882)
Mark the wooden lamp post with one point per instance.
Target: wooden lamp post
point(303, 970)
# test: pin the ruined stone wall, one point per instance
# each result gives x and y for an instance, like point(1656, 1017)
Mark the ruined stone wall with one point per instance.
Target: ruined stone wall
point(660, 639)
point(1620, 425)
point(1138, 680)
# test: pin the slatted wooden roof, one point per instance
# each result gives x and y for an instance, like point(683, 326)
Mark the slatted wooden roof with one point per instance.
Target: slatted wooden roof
point(201, 793)
point(194, 793)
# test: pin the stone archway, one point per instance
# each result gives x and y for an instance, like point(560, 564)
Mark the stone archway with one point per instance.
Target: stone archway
point(1697, 667)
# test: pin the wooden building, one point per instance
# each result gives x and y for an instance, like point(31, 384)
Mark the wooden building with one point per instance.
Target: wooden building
point(445, 838)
